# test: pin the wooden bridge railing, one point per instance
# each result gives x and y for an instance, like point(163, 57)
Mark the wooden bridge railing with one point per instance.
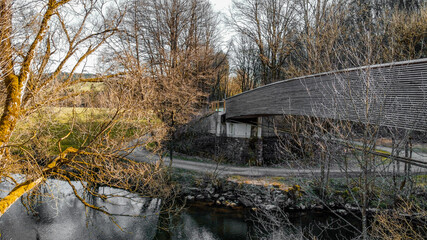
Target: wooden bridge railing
point(217, 106)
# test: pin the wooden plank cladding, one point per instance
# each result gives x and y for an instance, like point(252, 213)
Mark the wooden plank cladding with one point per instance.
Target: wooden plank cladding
point(393, 95)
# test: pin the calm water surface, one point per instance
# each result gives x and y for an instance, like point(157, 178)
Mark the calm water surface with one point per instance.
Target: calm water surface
point(58, 214)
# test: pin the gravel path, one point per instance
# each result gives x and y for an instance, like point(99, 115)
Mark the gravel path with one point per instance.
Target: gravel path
point(145, 156)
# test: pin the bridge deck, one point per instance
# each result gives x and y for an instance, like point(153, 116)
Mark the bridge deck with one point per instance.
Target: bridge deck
point(393, 94)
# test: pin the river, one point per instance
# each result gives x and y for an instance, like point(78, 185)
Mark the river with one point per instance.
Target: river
point(58, 214)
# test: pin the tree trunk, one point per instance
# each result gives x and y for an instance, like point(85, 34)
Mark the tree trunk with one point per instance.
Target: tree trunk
point(11, 109)
point(12, 83)
point(172, 139)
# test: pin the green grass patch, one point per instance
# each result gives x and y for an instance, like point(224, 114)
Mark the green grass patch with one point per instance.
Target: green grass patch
point(420, 149)
point(75, 126)
point(185, 177)
point(67, 114)
point(420, 181)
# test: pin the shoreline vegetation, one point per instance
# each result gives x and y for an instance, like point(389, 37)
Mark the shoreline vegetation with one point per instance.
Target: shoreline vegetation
point(280, 193)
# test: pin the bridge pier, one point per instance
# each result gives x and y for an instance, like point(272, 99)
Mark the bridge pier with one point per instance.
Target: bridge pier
point(259, 145)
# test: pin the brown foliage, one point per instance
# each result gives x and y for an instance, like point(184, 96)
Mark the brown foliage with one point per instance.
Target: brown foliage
point(407, 221)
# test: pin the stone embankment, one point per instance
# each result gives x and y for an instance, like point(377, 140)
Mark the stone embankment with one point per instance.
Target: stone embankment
point(256, 197)
point(267, 197)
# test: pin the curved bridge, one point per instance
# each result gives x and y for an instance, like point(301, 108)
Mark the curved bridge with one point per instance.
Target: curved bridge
point(393, 94)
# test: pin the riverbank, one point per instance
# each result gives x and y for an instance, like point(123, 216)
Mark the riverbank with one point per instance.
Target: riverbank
point(280, 193)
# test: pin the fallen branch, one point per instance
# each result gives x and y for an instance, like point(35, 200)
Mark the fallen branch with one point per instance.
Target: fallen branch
point(28, 185)
point(17, 192)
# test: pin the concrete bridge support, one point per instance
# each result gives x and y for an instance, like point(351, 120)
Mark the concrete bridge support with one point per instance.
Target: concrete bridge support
point(259, 145)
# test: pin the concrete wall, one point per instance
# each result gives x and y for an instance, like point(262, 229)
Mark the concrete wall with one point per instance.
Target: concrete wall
point(239, 130)
point(213, 124)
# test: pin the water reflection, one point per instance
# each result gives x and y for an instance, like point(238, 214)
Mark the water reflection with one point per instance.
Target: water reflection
point(210, 223)
point(58, 214)
point(207, 223)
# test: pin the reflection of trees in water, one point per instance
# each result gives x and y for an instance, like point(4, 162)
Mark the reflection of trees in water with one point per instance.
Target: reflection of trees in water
point(134, 216)
point(186, 226)
point(58, 214)
point(35, 204)
point(278, 224)
point(209, 223)
point(62, 216)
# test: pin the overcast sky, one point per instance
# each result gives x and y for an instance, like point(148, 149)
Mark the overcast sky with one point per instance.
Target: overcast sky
point(221, 5)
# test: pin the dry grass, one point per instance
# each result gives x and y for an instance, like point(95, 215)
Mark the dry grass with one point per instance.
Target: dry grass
point(273, 182)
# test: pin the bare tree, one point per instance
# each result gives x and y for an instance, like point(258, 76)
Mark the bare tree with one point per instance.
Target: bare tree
point(246, 64)
point(38, 139)
point(176, 56)
point(270, 25)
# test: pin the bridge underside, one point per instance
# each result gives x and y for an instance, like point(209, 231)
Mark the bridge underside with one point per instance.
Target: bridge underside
point(392, 95)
